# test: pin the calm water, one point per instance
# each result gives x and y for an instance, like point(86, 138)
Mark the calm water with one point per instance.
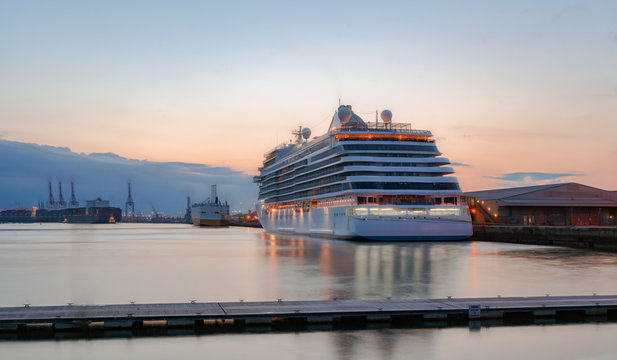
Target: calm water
point(98, 264)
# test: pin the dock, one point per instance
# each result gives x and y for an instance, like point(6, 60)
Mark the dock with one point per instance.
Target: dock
point(299, 314)
point(599, 238)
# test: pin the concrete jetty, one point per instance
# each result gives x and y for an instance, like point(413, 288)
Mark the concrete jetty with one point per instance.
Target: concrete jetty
point(593, 237)
point(245, 314)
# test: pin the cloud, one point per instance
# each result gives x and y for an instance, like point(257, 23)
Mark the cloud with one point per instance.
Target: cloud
point(26, 169)
point(531, 178)
point(108, 155)
point(460, 164)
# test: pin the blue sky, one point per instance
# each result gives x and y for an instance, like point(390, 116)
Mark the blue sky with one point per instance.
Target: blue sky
point(164, 186)
point(506, 87)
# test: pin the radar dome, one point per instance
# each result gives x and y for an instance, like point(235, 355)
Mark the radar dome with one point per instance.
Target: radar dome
point(344, 114)
point(306, 133)
point(386, 116)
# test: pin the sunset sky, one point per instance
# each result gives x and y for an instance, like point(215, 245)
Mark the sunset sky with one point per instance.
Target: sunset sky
point(516, 92)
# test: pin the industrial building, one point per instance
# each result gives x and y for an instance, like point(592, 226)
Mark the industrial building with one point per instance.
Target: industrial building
point(567, 204)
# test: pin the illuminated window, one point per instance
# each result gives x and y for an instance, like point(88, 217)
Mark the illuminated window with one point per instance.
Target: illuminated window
point(444, 211)
point(357, 211)
point(387, 211)
point(416, 211)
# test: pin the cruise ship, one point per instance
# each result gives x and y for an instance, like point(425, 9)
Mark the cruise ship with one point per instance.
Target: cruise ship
point(211, 212)
point(363, 181)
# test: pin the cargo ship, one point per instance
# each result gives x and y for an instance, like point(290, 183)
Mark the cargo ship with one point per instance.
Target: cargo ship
point(211, 212)
point(364, 181)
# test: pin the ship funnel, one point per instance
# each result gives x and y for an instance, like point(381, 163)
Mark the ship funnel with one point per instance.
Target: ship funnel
point(213, 196)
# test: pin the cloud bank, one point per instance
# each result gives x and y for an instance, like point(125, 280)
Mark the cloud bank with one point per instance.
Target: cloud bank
point(26, 169)
point(531, 178)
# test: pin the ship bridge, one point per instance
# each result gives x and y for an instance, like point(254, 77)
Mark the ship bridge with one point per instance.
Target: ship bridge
point(347, 125)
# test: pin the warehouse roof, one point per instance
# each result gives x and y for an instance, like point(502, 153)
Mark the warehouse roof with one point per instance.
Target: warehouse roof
point(508, 192)
point(564, 194)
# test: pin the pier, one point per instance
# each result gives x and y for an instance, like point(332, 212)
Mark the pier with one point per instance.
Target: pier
point(298, 314)
point(593, 237)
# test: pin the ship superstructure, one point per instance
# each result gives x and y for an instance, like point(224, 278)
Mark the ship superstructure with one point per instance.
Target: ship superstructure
point(211, 212)
point(362, 180)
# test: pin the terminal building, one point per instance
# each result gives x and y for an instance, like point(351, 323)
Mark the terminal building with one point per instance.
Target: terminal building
point(567, 204)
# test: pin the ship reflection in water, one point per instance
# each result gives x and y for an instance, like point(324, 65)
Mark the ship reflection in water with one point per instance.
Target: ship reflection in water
point(47, 264)
point(367, 270)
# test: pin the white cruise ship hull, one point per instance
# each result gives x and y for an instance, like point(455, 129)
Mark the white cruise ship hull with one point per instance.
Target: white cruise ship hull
point(362, 180)
point(335, 222)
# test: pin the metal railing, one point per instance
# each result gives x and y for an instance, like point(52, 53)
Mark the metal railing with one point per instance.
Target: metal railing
point(383, 127)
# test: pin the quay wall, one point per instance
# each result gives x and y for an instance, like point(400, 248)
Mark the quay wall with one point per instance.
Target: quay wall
point(596, 238)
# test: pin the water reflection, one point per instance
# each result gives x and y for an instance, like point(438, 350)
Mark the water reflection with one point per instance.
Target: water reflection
point(364, 270)
point(557, 256)
point(173, 263)
point(341, 269)
point(564, 342)
point(383, 343)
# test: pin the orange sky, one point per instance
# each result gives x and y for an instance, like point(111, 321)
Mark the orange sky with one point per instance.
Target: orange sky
point(506, 88)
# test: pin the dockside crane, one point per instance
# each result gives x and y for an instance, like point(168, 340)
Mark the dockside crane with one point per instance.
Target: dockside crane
point(73, 203)
point(61, 202)
point(129, 206)
point(51, 203)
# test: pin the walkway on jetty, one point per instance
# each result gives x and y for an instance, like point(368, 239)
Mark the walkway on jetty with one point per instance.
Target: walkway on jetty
point(243, 314)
